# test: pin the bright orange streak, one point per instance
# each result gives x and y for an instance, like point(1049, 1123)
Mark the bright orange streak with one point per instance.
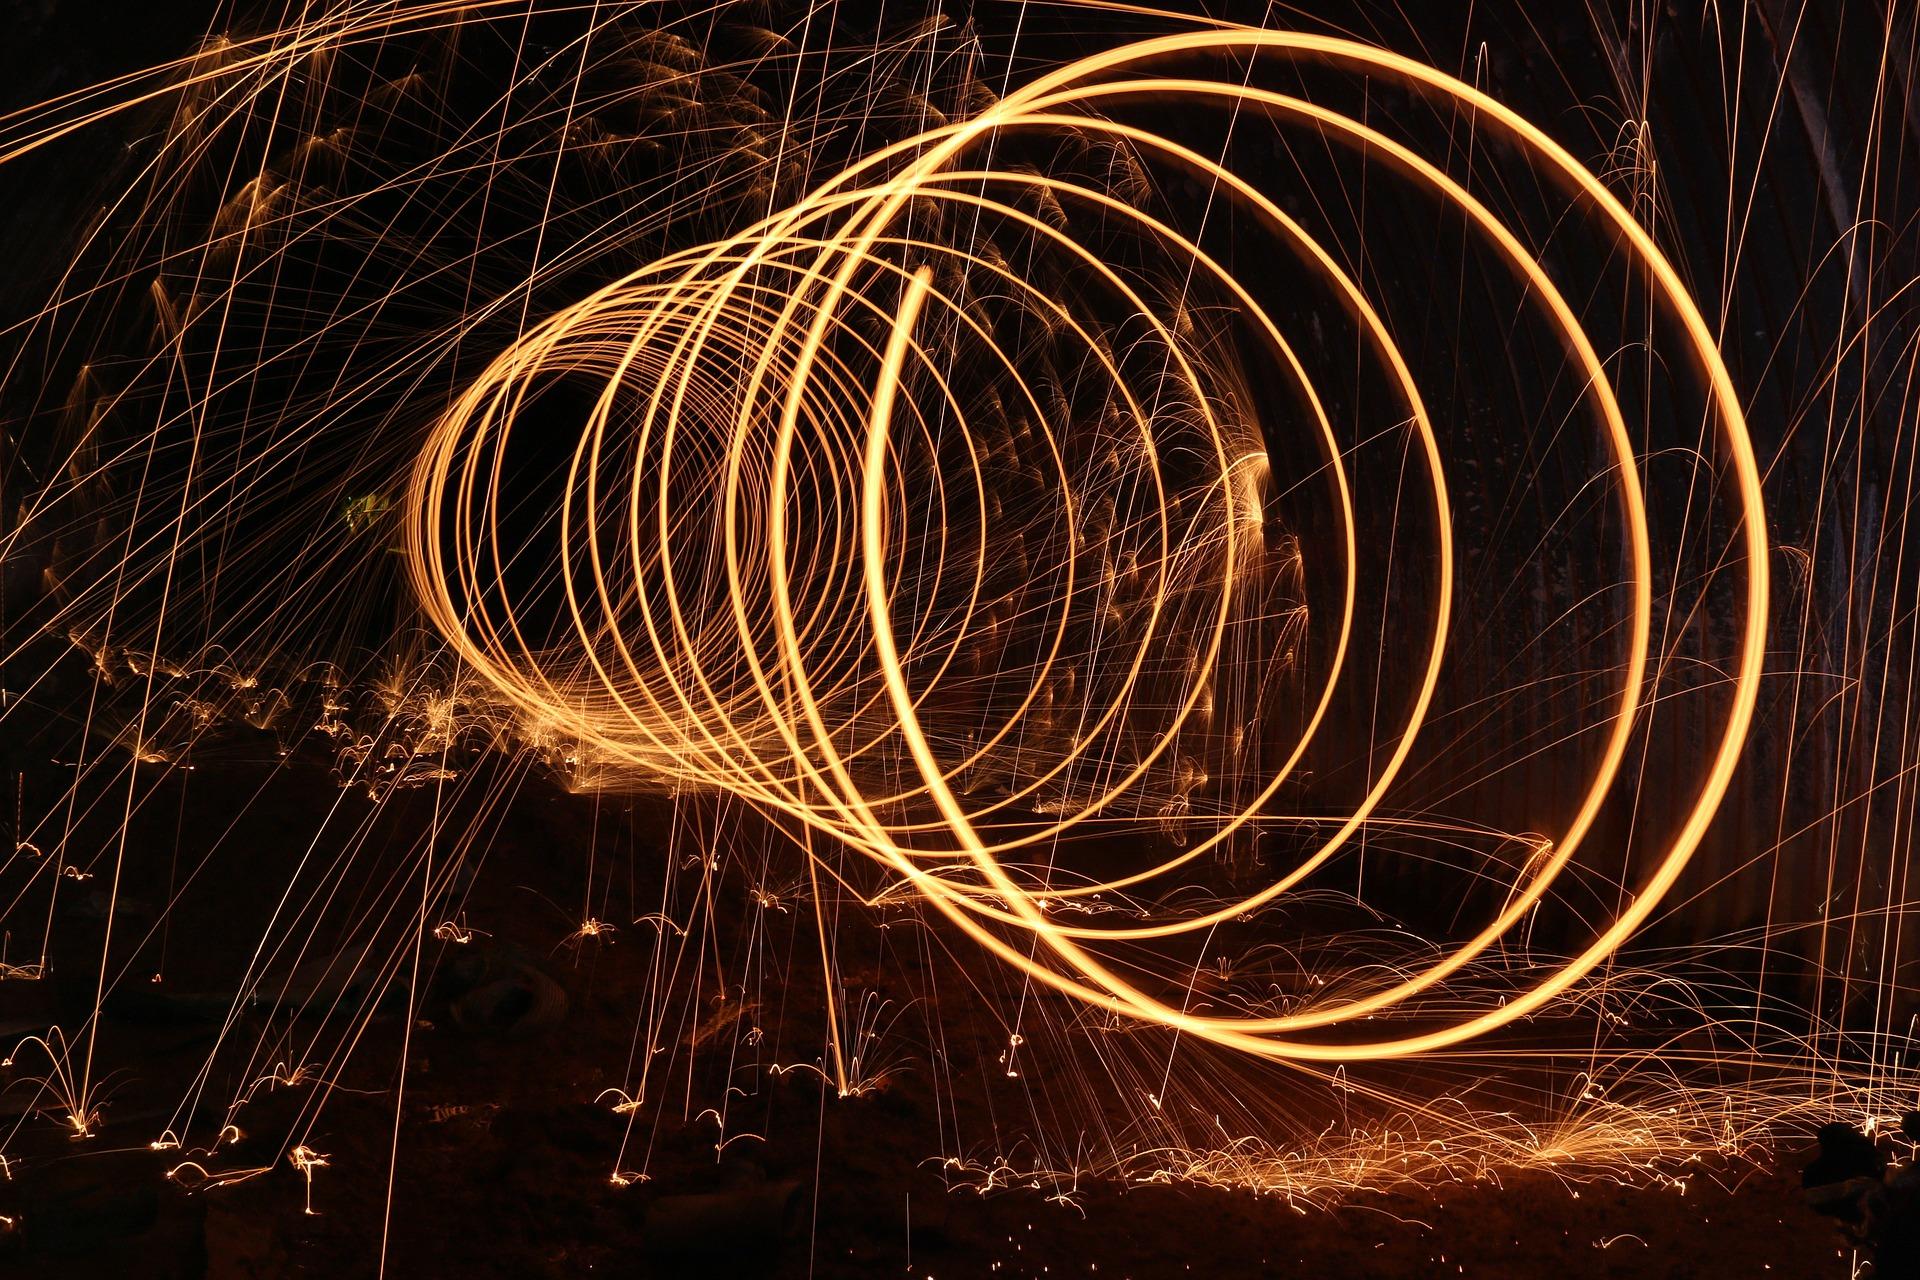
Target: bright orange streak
point(746, 346)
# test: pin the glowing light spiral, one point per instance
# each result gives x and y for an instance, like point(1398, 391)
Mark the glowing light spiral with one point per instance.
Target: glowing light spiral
point(771, 560)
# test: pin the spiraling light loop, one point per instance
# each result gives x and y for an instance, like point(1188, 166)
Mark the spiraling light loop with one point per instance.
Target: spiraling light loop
point(788, 573)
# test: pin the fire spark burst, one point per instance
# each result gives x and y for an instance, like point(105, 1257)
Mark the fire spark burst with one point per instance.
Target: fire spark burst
point(967, 494)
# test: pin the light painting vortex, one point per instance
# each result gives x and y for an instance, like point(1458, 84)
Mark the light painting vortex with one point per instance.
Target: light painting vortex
point(779, 534)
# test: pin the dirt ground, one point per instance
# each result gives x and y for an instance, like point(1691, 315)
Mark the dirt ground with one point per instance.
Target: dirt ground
point(504, 1158)
point(529, 1197)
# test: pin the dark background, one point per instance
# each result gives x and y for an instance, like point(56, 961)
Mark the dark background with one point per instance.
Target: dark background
point(1819, 824)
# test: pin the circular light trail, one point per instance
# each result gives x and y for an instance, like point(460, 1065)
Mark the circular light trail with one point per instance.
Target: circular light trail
point(777, 524)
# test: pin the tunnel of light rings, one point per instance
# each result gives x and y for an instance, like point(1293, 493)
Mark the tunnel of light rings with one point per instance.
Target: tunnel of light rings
point(764, 306)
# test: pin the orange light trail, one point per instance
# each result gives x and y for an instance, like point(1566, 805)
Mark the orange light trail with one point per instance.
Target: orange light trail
point(745, 375)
